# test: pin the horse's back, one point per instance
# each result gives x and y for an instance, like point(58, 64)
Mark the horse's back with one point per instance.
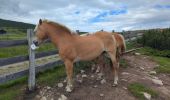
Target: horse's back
point(106, 37)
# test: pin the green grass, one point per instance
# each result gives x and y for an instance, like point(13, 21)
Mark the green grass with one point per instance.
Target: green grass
point(15, 88)
point(22, 50)
point(136, 89)
point(123, 63)
point(154, 52)
point(158, 56)
point(164, 64)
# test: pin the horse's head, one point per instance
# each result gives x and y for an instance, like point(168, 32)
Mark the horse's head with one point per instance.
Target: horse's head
point(40, 32)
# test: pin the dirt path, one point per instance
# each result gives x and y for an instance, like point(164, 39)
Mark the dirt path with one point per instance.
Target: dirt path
point(94, 86)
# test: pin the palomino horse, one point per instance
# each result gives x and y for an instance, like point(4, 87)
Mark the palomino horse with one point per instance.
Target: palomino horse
point(121, 47)
point(74, 48)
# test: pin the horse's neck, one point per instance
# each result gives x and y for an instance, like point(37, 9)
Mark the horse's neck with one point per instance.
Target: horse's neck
point(60, 39)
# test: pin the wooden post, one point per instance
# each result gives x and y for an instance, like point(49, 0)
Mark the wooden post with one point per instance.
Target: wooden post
point(31, 77)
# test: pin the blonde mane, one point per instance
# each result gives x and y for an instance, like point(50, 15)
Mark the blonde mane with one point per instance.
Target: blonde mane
point(63, 27)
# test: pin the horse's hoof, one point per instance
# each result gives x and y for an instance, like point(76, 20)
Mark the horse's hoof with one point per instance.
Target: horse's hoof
point(114, 85)
point(69, 89)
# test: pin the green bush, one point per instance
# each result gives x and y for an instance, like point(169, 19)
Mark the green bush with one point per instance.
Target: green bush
point(158, 39)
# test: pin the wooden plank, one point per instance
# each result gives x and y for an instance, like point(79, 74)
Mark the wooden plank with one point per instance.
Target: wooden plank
point(11, 43)
point(17, 59)
point(31, 76)
point(39, 68)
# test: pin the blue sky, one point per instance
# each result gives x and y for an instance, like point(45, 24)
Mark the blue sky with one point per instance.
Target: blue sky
point(91, 15)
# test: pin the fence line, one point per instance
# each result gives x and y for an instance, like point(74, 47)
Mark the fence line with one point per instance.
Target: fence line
point(12, 60)
point(32, 68)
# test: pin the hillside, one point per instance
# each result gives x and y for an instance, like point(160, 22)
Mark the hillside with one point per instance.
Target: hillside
point(14, 24)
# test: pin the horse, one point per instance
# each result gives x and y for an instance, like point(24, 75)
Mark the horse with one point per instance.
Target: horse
point(121, 47)
point(74, 48)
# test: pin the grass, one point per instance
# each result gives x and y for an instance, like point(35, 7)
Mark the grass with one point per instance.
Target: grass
point(164, 62)
point(22, 50)
point(49, 77)
point(123, 63)
point(136, 89)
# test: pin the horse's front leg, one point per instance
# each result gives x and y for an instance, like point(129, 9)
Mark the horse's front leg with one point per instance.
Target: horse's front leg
point(69, 71)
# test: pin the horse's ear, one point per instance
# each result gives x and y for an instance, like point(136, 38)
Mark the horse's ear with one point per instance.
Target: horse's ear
point(40, 21)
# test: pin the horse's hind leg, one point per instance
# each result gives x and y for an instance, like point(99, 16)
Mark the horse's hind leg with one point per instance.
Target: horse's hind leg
point(114, 65)
point(69, 71)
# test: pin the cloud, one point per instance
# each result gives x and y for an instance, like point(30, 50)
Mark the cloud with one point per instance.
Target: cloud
point(91, 15)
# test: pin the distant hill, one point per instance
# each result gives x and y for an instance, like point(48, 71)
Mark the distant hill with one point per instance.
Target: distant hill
point(14, 24)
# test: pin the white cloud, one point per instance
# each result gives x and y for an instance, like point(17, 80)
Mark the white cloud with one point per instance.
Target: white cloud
point(139, 14)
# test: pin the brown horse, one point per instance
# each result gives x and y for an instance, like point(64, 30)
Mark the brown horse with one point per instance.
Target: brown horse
point(74, 48)
point(120, 43)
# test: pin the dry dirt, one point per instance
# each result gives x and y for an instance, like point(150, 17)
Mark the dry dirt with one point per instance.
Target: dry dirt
point(138, 70)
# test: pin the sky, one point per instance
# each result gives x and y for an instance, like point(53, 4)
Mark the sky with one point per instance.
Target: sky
point(91, 15)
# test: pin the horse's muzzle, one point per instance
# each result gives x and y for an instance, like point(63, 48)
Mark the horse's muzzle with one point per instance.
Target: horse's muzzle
point(36, 43)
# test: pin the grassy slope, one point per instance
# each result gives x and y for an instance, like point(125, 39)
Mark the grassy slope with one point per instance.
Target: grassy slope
point(137, 90)
point(22, 50)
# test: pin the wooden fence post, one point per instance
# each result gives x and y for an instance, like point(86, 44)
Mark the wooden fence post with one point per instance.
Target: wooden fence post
point(31, 77)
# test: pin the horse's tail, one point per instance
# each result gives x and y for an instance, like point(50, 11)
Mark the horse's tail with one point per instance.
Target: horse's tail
point(123, 46)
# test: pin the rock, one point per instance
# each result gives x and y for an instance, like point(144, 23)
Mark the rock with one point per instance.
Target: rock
point(100, 75)
point(125, 88)
point(125, 73)
point(80, 80)
point(93, 68)
point(147, 96)
point(98, 69)
point(84, 76)
point(48, 87)
point(101, 94)
point(63, 97)
point(82, 71)
point(157, 65)
point(43, 98)
point(92, 76)
point(152, 72)
point(137, 54)
point(142, 68)
point(60, 85)
point(157, 82)
point(52, 99)
point(65, 81)
point(95, 86)
point(103, 81)
point(124, 80)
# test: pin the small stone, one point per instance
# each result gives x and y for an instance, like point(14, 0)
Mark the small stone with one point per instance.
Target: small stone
point(125, 88)
point(80, 81)
point(60, 85)
point(65, 81)
point(48, 87)
point(142, 68)
point(124, 80)
point(103, 81)
point(147, 95)
point(92, 76)
point(43, 98)
point(100, 75)
point(63, 97)
point(95, 86)
point(152, 72)
point(84, 75)
point(125, 73)
point(101, 94)
point(157, 65)
point(52, 99)
point(157, 81)
point(137, 54)
point(82, 71)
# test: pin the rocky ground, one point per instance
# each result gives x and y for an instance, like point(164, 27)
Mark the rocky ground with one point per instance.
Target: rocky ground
point(90, 85)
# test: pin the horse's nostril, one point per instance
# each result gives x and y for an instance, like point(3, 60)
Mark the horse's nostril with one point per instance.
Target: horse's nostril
point(36, 43)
